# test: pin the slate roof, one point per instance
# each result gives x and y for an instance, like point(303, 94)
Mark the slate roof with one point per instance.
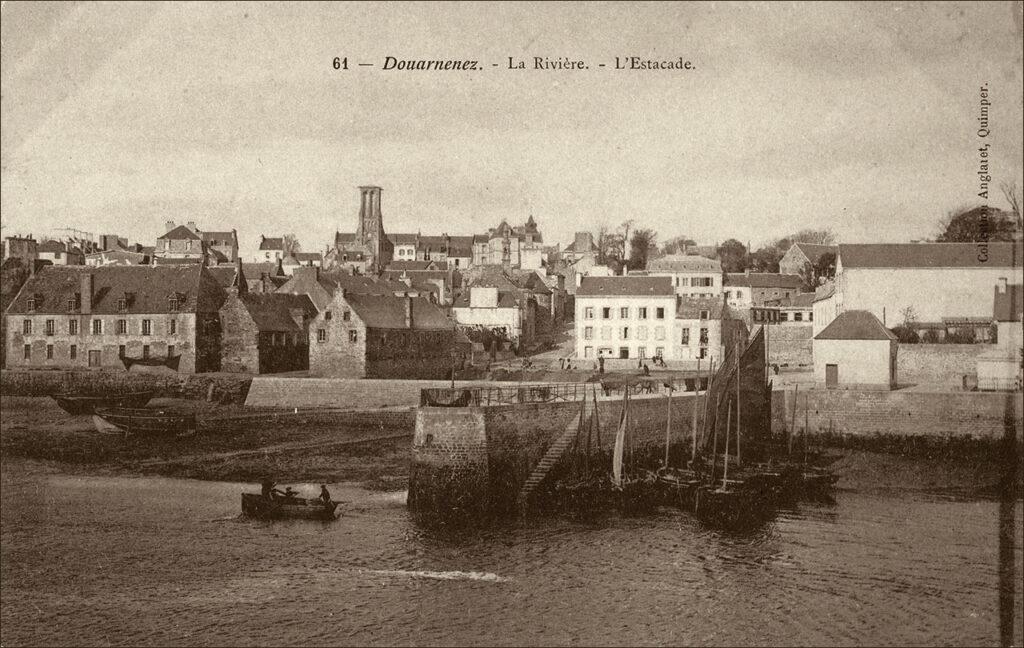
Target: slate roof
point(388, 312)
point(174, 261)
point(813, 251)
point(799, 300)
point(219, 238)
point(855, 325)
point(824, 291)
point(272, 311)
point(225, 275)
point(181, 233)
point(150, 287)
point(256, 270)
point(690, 307)
point(411, 265)
point(930, 255)
point(460, 246)
point(402, 238)
point(763, 280)
point(1007, 307)
point(684, 263)
point(51, 247)
point(342, 238)
point(625, 286)
point(276, 243)
point(304, 257)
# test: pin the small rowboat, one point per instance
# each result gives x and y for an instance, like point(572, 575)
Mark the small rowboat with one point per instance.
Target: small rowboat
point(276, 508)
point(84, 404)
point(148, 421)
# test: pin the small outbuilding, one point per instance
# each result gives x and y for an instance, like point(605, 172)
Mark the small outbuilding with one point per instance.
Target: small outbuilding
point(855, 351)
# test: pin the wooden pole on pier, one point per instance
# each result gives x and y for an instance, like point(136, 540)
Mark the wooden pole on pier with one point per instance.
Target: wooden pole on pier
point(668, 422)
point(693, 426)
point(725, 470)
point(792, 426)
point(807, 414)
point(737, 404)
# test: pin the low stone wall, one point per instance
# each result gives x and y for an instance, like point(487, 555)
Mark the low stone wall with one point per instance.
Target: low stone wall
point(938, 363)
point(844, 417)
point(227, 388)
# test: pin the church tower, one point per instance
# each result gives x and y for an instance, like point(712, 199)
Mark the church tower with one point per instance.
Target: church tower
point(370, 231)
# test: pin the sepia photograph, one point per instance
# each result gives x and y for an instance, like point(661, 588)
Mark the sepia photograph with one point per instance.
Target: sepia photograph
point(511, 323)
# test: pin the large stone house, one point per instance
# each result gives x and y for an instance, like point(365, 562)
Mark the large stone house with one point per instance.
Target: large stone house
point(221, 247)
point(67, 316)
point(625, 317)
point(800, 255)
point(746, 290)
point(692, 275)
point(704, 329)
point(510, 247)
point(181, 242)
point(938, 285)
point(1002, 367)
point(384, 336)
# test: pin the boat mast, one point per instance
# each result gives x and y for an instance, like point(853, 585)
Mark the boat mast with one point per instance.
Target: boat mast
point(792, 425)
point(737, 404)
point(668, 421)
point(693, 427)
point(728, 424)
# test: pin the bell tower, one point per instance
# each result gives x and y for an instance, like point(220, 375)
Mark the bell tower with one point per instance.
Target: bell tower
point(370, 231)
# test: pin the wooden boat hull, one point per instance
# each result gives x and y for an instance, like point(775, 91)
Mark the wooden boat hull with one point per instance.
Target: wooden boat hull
point(84, 404)
point(730, 507)
point(149, 422)
point(257, 506)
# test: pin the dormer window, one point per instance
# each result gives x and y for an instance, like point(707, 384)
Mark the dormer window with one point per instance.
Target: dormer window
point(32, 304)
point(175, 301)
point(74, 303)
point(122, 304)
point(704, 314)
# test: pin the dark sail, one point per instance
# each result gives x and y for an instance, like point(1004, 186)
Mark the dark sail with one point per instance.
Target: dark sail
point(755, 396)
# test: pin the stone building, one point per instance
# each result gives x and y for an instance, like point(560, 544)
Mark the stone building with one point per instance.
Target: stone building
point(506, 312)
point(582, 251)
point(384, 336)
point(221, 247)
point(264, 332)
point(937, 284)
point(692, 275)
point(67, 316)
point(510, 247)
point(181, 242)
point(625, 317)
point(271, 250)
point(301, 259)
point(60, 253)
point(800, 255)
point(855, 351)
point(704, 329)
point(1000, 368)
point(369, 249)
point(19, 247)
point(746, 290)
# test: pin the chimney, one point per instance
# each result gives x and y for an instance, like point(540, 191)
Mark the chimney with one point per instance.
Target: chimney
point(191, 225)
point(169, 225)
point(86, 293)
point(1001, 285)
point(408, 312)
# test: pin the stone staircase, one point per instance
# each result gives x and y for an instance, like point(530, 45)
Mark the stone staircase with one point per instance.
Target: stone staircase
point(552, 456)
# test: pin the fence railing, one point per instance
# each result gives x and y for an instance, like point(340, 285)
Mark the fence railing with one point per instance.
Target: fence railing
point(556, 392)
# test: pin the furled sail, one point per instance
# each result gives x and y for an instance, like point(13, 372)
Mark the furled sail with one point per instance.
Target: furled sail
point(620, 442)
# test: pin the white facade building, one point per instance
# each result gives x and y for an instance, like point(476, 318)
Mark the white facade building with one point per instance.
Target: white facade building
point(855, 351)
point(625, 317)
point(490, 308)
point(692, 275)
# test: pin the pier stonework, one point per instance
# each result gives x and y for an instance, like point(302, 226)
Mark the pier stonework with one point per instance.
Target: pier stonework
point(449, 469)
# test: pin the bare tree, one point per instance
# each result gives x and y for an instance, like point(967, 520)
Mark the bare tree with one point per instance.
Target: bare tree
point(1012, 194)
point(290, 243)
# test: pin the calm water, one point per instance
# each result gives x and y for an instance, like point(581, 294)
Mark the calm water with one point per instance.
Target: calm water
point(157, 561)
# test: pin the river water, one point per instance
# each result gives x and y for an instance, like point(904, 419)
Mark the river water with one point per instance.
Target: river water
point(147, 561)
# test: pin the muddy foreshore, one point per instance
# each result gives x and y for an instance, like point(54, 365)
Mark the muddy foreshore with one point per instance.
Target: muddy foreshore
point(372, 448)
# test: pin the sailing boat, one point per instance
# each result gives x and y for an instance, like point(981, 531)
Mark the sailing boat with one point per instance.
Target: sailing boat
point(635, 492)
point(678, 486)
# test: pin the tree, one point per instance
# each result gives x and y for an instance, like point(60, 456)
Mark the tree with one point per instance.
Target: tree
point(766, 259)
point(1012, 194)
point(733, 256)
point(641, 246)
point(977, 224)
point(825, 267)
point(290, 243)
point(816, 236)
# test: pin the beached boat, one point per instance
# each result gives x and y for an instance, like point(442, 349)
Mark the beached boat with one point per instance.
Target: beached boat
point(148, 421)
point(73, 403)
point(170, 362)
point(276, 508)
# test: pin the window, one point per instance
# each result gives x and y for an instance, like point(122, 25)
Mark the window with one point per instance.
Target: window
point(625, 333)
point(328, 315)
point(121, 350)
point(51, 326)
point(588, 312)
point(659, 352)
point(49, 352)
point(346, 316)
point(641, 312)
point(685, 281)
point(703, 336)
point(810, 317)
point(703, 314)
point(659, 333)
point(26, 327)
point(73, 327)
point(32, 304)
point(685, 341)
point(97, 327)
point(588, 352)
point(28, 351)
point(588, 333)
point(739, 294)
point(73, 351)
point(728, 294)
point(641, 352)
point(72, 304)
point(606, 313)
point(172, 327)
point(145, 351)
point(624, 353)
point(703, 282)
point(95, 359)
point(798, 317)
point(173, 303)
point(702, 353)
point(147, 327)
point(321, 335)
point(783, 317)
point(122, 327)
point(353, 336)
point(659, 313)
point(122, 305)
point(624, 312)
point(170, 350)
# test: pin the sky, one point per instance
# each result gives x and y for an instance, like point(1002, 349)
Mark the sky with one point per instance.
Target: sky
point(857, 117)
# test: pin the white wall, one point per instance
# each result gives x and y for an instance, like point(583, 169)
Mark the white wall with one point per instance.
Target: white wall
point(648, 333)
point(861, 362)
point(683, 282)
point(692, 349)
point(490, 318)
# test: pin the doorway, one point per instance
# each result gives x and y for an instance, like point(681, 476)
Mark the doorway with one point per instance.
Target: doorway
point(831, 376)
